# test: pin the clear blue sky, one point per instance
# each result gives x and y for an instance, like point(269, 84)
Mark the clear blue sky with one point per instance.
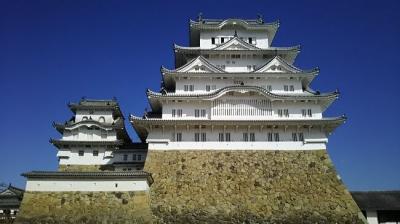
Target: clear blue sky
point(54, 51)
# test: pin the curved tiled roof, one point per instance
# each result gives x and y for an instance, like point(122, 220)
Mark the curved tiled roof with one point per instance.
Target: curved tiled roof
point(89, 175)
point(59, 143)
point(296, 48)
point(198, 58)
point(224, 90)
point(119, 123)
point(220, 23)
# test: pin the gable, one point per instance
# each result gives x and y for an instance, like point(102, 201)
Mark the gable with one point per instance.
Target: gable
point(278, 65)
point(199, 65)
point(7, 192)
point(235, 44)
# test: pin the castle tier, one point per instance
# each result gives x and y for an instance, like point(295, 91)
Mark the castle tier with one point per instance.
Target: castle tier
point(95, 138)
point(232, 90)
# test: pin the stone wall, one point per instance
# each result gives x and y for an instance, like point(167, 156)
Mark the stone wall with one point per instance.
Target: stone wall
point(248, 187)
point(85, 168)
point(84, 207)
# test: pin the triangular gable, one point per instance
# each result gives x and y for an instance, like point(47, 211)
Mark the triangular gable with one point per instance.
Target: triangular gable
point(199, 65)
point(278, 65)
point(236, 44)
point(8, 192)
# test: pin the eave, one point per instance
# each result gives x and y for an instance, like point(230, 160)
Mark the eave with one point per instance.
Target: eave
point(60, 143)
point(143, 125)
point(154, 97)
point(186, 53)
point(89, 175)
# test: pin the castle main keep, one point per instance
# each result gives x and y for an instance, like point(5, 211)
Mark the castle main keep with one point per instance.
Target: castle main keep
point(234, 135)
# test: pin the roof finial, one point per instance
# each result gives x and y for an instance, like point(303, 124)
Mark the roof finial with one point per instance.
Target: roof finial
point(200, 17)
point(235, 35)
point(260, 18)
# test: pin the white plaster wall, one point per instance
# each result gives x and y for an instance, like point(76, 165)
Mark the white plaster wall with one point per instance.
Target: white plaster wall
point(188, 108)
point(163, 140)
point(200, 83)
point(260, 36)
point(71, 156)
point(54, 185)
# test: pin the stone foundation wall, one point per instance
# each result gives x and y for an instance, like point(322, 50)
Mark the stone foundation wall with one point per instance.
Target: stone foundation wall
point(84, 207)
point(248, 187)
point(85, 168)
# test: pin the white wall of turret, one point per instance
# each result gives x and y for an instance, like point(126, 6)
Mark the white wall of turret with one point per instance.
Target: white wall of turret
point(259, 38)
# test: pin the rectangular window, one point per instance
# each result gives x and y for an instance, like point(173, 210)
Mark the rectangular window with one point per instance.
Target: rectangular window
point(228, 137)
point(179, 112)
point(245, 137)
point(285, 88)
point(185, 88)
point(286, 112)
point(178, 137)
point(222, 40)
point(291, 88)
point(139, 157)
point(125, 157)
point(203, 113)
point(196, 113)
point(249, 68)
point(309, 112)
point(208, 88)
point(134, 157)
point(269, 137)
point(269, 88)
point(203, 137)
point(191, 88)
point(252, 137)
point(173, 113)
point(235, 56)
point(276, 137)
point(221, 137)
point(95, 153)
point(81, 152)
point(196, 137)
point(301, 137)
point(294, 137)
point(212, 40)
point(304, 113)
point(280, 113)
point(250, 40)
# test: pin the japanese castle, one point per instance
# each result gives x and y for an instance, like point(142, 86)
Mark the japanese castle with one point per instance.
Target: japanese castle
point(232, 90)
point(234, 135)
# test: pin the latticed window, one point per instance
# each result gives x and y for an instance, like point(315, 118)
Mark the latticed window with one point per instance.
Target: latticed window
point(196, 113)
point(252, 137)
point(203, 137)
point(309, 112)
point(301, 137)
point(276, 137)
point(294, 137)
point(245, 137)
point(179, 112)
point(280, 113)
point(178, 137)
point(203, 113)
point(304, 113)
point(221, 137)
point(286, 112)
point(291, 88)
point(228, 137)
point(173, 113)
point(285, 88)
point(196, 137)
point(269, 137)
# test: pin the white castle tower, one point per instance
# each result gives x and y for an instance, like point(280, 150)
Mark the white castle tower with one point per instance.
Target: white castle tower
point(95, 139)
point(232, 90)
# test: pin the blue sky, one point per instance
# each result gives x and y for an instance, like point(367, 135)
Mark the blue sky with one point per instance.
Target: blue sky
point(53, 52)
